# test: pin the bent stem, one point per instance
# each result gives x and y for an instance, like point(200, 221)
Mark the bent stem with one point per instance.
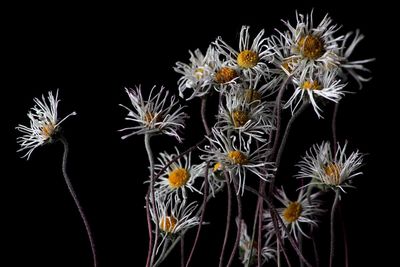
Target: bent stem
point(332, 250)
point(76, 200)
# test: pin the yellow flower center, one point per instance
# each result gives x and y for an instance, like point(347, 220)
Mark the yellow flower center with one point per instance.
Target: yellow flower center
point(225, 75)
point(217, 167)
point(178, 177)
point(251, 95)
point(311, 85)
point(247, 59)
point(311, 46)
point(237, 157)
point(198, 73)
point(292, 212)
point(333, 171)
point(48, 130)
point(239, 117)
point(168, 223)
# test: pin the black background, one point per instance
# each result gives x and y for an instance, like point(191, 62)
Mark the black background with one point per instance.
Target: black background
point(92, 52)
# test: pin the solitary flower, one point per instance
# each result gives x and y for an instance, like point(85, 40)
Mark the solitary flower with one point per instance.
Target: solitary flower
point(328, 170)
point(198, 75)
point(314, 88)
point(44, 124)
point(179, 176)
point(295, 214)
point(251, 57)
point(157, 115)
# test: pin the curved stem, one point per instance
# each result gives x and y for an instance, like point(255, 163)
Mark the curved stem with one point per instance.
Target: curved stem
point(205, 193)
point(152, 195)
point(228, 219)
point(239, 216)
point(203, 114)
point(332, 250)
point(76, 200)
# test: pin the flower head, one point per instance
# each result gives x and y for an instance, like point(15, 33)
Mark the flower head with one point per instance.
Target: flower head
point(198, 75)
point(249, 118)
point(44, 124)
point(157, 115)
point(312, 47)
point(236, 159)
point(251, 57)
point(295, 214)
point(328, 170)
point(179, 176)
point(314, 88)
point(173, 217)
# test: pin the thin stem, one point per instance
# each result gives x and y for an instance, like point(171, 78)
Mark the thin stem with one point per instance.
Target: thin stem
point(283, 144)
point(278, 111)
point(332, 250)
point(346, 245)
point(239, 216)
point(256, 214)
point(278, 254)
point(182, 251)
point(76, 200)
point(334, 129)
point(228, 219)
point(315, 248)
point(149, 231)
point(276, 216)
point(151, 189)
point(261, 190)
point(203, 115)
point(300, 238)
point(205, 193)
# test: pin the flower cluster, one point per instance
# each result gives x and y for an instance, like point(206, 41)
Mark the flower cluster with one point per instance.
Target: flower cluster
point(254, 81)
